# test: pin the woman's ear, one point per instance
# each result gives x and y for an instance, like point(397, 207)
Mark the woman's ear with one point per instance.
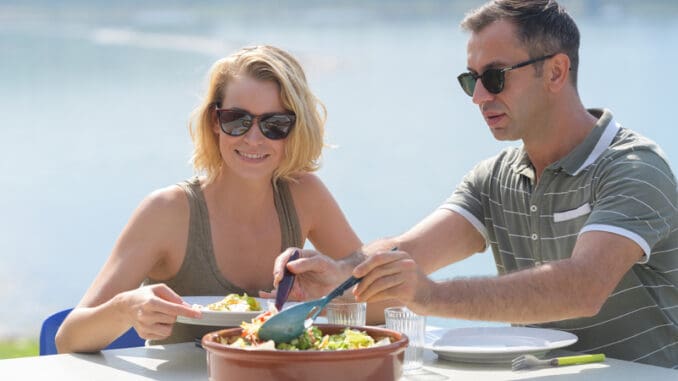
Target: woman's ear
point(557, 71)
point(214, 119)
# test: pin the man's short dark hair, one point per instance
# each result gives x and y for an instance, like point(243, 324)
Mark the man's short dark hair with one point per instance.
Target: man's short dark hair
point(543, 27)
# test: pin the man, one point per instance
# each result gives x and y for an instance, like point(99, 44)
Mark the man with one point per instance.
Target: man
point(581, 218)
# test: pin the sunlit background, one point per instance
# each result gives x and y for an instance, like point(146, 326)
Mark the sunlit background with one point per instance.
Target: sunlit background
point(95, 96)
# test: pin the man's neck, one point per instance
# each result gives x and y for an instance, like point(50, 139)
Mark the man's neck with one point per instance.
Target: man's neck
point(563, 129)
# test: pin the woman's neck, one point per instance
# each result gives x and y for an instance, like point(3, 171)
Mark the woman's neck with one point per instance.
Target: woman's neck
point(236, 196)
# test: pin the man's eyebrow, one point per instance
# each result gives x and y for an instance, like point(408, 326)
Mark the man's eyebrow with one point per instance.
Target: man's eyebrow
point(492, 65)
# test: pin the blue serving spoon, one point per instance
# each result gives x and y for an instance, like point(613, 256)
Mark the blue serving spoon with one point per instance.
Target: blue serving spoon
point(291, 322)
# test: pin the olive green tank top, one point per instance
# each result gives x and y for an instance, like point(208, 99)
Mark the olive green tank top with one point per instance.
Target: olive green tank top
point(199, 273)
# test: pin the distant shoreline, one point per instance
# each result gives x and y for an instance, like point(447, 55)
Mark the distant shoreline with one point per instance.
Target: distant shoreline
point(13, 338)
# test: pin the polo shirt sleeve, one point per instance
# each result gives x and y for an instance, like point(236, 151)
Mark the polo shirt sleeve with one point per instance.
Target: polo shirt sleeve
point(467, 199)
point(635, 197)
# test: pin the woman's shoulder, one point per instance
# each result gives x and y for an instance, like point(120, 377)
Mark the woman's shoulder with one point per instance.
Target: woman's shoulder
point(307, 185)
point(167, 202)
point(157, 231)
point(310, 194)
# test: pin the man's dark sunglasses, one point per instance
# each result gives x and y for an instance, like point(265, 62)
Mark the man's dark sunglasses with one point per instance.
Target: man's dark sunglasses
point(492, 79)
point(273, 125)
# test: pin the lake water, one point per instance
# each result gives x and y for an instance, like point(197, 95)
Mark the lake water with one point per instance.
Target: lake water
point(94, 100)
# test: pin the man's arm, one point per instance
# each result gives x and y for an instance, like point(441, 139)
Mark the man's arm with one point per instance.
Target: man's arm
point(441, 238)
point(570, 288)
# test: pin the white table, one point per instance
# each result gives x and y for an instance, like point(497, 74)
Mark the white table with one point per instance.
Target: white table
point(187, 362)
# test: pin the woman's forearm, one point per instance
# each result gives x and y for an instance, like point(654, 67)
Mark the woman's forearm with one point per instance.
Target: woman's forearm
point(90, 329)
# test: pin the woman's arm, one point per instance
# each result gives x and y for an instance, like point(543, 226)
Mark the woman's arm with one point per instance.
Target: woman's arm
point(114, 302)
point(328, 229)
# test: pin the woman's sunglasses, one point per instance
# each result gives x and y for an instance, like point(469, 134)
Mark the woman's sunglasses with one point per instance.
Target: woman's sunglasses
point(492, 79)
point(274, 125)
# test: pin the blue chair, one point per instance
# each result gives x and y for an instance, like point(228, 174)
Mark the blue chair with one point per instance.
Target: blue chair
point(51, 325)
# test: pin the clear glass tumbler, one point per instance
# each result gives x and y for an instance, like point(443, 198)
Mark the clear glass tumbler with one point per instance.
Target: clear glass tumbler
point(346, 311)
point(403, 320)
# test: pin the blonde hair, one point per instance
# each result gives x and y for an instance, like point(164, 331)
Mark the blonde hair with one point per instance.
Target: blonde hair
point(303, 145)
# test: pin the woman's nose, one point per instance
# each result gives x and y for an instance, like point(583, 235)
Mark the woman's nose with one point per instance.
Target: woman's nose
point(254, 135)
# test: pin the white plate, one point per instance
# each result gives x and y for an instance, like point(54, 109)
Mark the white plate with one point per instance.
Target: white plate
point(219, 318)
point(498, 344)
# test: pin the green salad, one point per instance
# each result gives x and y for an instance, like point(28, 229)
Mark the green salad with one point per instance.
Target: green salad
point(314, 339)
point(235, 303)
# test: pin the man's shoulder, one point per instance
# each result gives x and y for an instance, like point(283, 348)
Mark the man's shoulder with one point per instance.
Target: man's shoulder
point(631, 146)
point(630, 139)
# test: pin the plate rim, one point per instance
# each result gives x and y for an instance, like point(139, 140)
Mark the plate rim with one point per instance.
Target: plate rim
point(187, 299)
point(220, 318)
point(563, 339)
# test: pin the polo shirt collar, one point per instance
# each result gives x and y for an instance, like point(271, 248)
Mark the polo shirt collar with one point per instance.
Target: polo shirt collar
point(583, 155)
point(588, 151)
point(523, 165)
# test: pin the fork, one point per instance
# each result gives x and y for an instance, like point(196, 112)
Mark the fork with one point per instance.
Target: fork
point(530, 361)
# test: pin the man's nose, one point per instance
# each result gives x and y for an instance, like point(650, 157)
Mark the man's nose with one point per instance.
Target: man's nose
point(480, 93)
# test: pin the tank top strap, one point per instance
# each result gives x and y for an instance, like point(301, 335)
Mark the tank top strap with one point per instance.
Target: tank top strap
point(287, 215)
point(199, 235)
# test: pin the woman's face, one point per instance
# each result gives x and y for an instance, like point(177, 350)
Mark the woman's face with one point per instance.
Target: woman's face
point(251, 155)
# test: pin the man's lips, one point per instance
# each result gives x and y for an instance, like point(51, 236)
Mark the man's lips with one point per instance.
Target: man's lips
point(493, 118)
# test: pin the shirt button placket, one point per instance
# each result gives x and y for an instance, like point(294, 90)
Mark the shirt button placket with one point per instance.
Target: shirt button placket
point(535, 220)
point(536, 247)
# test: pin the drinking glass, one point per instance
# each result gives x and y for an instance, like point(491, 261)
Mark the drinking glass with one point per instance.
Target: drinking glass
point(403, 320)
point(346, 311)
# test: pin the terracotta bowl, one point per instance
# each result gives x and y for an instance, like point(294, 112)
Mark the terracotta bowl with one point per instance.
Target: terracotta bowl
point(373, 364)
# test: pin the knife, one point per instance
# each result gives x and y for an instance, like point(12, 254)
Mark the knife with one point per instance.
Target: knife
point(285, 285)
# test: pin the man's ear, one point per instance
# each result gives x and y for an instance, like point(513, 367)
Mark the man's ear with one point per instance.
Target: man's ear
point(557, 72)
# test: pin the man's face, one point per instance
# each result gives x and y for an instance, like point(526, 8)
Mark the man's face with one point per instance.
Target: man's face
point(511, 113)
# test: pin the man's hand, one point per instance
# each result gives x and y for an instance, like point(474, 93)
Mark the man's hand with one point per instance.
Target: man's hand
point(393, 275)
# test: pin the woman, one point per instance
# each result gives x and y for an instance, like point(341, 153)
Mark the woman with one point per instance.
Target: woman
point(257, 135)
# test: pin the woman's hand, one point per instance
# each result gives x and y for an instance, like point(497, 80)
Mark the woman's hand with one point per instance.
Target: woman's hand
point(152, 310)
point(316, 274)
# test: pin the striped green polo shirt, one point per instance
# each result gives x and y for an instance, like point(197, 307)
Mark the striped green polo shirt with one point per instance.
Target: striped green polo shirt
point(615, 181)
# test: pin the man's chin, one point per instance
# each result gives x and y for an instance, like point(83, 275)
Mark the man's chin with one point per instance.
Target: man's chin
point(502, 135)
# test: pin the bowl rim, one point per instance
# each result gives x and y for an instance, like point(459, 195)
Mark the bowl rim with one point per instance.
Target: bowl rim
point(222, 350)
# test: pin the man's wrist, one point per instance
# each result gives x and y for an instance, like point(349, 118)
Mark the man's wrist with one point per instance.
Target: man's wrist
point(425, 298)
point(353, 260)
